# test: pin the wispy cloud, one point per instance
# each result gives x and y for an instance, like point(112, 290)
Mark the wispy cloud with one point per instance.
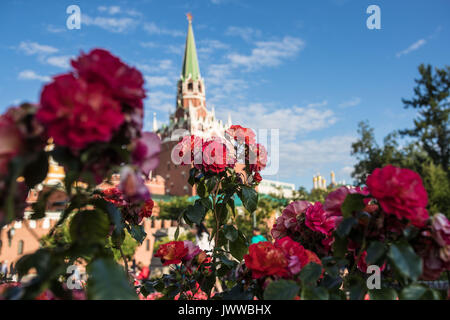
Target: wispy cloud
point(268, 53)
point(152, 28)
point(112, 24)
point(31, 48)
point(31, 75)
point(59, 61)
point(159, 81)
point(110, 10)
point(246, 33)
point(350, 103)
point(415, 46)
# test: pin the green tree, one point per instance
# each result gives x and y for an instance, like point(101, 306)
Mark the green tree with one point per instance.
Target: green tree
point(431, 98)
point(172, 209)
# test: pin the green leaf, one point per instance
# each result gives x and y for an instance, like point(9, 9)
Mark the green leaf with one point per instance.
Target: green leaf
point(249, 198)
point(375, 251)
point(406, 261)
point(195, 213)
point(90, 226)
point(281, 290)
point(239, 247)
point(39, 260)
point(383, 294)
point(413, 292)
point(177, 233)
point(310, 273)
point(346, 226)
point(314, 293)
point(108, 281)
point(138, 233)
point(36, 170)
point(202, 190)
point(230, 232)
point(352, 203)
point(357, 287)
point(340, 247)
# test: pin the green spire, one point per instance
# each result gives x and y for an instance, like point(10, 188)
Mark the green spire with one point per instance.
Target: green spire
point(190, 62)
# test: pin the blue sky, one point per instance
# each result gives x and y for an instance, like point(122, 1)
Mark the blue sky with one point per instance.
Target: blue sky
point(309, 68)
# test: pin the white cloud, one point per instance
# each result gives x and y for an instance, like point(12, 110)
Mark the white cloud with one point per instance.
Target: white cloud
point(291, 121)
point(209, 46)
point(303, 157)
point(164, 65)
point(117, 25)
point(245, 33)
point(155, 81)
point(31, 75)
point(110, 10)
point(152, 28)
point(31, 48)
point(350, 103)
point(416, 45)
point(59, 61)
point(268, 53)
point(160, 101)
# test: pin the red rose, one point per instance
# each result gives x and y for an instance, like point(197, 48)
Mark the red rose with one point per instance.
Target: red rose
point(215, 157)
point(172, 252)
point(77, 113)
point(115, 196)
point(319, 220)
point(400, 192)
point(11, 141)
point(188, 151)
point(257, 177)
point(257, 157)
point(296, 254)
point(100, 66)
point(264, 259)
point(146, 211)
point(241, 134)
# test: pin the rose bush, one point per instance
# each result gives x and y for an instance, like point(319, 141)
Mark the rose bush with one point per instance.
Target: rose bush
point(90, 121)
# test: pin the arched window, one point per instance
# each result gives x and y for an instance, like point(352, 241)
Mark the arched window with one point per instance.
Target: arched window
point(190, 86)
point(20, 247)
point(147, 245)
point(199, 87)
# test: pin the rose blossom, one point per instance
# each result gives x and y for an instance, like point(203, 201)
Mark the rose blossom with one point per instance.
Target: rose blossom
point(126, 83)
point(215, 157)
point(193, 250)
point(11, 141)
point(319, 220)
point(188, 150)
point(132, 185)
point(76, 113)
point(146, 152)
point(297, 255)
point(264, 259)
point(146, 210)
point(400, 192)
point(257, 157)
point(241, 134)
point(172, 252)
point(441, 229)
point(288, 219)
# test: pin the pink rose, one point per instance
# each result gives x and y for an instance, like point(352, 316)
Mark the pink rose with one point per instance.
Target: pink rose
point(288, 219)
point(132, 186)
point(441, 229)
point(317, 219)
point(146, 152)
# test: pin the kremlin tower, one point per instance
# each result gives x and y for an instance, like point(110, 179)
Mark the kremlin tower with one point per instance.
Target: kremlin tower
point(191, 116)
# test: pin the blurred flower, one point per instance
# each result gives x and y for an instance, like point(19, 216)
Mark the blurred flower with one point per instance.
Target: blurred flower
point(146, 152)
point(77, 113)
point(132, 186)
